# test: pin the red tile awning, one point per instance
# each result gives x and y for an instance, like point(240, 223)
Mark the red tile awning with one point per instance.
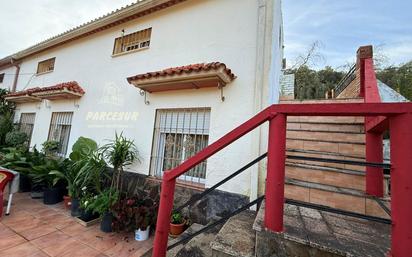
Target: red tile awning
point(192, 76)
point(67, 90)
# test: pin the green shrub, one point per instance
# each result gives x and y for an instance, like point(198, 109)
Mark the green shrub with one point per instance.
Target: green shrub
point(16, 138)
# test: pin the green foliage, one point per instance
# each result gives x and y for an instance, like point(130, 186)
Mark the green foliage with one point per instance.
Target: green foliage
point(82, 148)
point(6, 125)
point(46, 174)
point(120, 153)
point(138, 212)
point(312, 84)
point(15, 138)
point(177, 218)
point(50, 147)
point(85, 170)
point(103, 202)
point(398, 78)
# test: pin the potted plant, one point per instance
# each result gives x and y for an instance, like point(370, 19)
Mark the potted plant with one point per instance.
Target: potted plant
point(44, 176)
point(177, 223)
point(135, 214)
point(102, 204)
point(84, 170)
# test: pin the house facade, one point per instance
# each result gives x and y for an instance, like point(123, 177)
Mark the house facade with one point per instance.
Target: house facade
point(173, 75)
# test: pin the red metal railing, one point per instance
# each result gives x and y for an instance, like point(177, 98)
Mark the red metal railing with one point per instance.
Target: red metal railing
point(400, 119)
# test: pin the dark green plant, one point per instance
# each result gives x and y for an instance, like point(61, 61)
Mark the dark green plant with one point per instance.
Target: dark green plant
point(86, 169)
point(137, 212)
point(16, 138)
point(45, 175)
point(50, 147)
point(6, 125)
point(82, 148)
point(120, 153)
point(103, 202)
point(177, 218)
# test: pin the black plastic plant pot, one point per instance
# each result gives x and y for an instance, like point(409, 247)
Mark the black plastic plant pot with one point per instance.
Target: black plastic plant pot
point(52, 196)
point(87, 216)
point(25, 183)
point(75, 208)
point(106, 223)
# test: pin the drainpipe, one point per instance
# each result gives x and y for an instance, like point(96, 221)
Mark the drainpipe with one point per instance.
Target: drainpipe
point(16, 75)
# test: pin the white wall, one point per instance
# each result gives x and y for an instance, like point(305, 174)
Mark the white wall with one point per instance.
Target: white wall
point(192, 32)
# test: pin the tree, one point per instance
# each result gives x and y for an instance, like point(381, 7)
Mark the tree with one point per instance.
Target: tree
point(398, 78)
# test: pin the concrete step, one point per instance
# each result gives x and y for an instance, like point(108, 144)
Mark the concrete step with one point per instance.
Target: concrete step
point(326, 135)
point(310, 233)
point(335, 197)
point(327, 155)
point(343, 148)
point(237, 237)
point(325, 175)
point(199, 246)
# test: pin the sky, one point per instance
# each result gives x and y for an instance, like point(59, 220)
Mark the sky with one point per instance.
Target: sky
point(340, 26)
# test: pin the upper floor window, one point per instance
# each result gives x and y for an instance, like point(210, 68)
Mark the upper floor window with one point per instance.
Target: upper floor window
point(1, 77)
point(134, 41)
point(46, 65)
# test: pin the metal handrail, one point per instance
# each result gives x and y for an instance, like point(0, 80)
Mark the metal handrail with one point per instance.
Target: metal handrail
point(243, 208)
point(344, 82)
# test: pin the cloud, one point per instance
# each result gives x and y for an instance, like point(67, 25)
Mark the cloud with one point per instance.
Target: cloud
point(26, 22)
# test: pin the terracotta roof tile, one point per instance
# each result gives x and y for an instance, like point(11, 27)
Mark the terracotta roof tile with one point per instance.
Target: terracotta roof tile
point(183, 69)
point(72, 86)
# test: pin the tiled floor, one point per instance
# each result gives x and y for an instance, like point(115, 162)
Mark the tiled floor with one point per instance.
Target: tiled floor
point(36, 230)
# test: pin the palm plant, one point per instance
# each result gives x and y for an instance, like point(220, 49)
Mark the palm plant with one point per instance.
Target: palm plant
point(120, 153)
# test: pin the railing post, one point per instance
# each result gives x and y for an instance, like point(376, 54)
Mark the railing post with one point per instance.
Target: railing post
point(163, 218)
point(275, 179)
point(401, 184)
point(374, 153)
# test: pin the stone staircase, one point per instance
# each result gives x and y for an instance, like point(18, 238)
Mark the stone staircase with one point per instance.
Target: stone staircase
point(308, 233)
point(336, 185)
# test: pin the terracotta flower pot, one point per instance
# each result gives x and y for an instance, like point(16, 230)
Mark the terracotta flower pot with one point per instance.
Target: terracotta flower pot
point(67, 201)
point(177, 229)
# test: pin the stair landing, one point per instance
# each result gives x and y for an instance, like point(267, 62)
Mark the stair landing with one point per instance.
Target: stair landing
point(310, 233)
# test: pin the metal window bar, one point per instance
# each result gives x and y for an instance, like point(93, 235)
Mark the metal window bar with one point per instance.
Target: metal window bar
point(346, 80)
point(60, 126)
point(132, 41)
point(178, 135)
point(26, 125)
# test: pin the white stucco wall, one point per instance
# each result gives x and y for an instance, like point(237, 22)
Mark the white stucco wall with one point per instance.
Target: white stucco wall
point(191, 32)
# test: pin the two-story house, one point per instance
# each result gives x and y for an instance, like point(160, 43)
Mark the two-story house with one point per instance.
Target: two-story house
point(174, 75)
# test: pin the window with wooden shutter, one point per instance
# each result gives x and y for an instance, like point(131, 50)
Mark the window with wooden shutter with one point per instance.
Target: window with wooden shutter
point(60, 126)
point(46, 66)
point(131, 42)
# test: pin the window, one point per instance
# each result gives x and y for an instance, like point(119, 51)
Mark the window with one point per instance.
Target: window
point(60, 125)
point(133, 41)
point(45, 66)
point(1, 77)
point(26, 124)
point(178, 135)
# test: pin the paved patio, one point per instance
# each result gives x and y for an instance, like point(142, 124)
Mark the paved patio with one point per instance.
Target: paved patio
point(36, 230)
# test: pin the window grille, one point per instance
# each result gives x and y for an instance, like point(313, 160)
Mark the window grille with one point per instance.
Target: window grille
point(178, 135)
point(60, 125)
point(1, 77)
point(133, 41)
point(26, 124)
point(46, 65)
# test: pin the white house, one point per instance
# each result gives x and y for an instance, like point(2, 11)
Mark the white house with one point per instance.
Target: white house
point(174, 75)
